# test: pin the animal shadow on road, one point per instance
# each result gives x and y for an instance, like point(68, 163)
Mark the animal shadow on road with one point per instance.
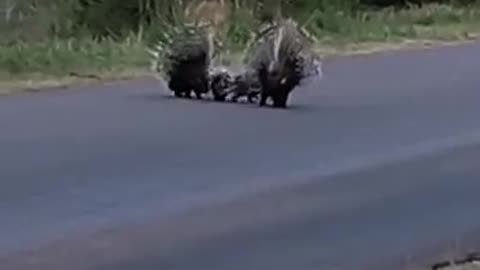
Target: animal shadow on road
point(161, 97)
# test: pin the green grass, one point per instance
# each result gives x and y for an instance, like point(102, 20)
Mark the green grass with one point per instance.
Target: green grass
point(63, 62)
point(433, 22)
point(57, 58)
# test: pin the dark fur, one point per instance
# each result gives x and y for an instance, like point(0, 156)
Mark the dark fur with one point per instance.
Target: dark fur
point(278, 66)
point(242, 88)
point(226, 85)
point(189, 75)
point(219, 85)
point(278, 83)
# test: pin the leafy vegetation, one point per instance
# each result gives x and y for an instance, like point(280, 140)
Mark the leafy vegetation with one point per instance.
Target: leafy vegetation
point(60, 37)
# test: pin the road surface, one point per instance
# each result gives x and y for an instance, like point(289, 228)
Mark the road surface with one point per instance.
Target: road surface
point(377, 166)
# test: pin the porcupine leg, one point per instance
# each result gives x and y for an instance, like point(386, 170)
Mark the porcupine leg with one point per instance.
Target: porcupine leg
point(252, 95)
point(201, 87)
point(197, 91)
point(265, 94)
point(280, 99)
point(235, 97)
point(218, 97)
point(198, 95)
point(194, 89)
point(218, 94)
point(176, 88)
point(265, 90)
point(263, 99)
point(187, 92)
point(280, 102)
point(234, 92)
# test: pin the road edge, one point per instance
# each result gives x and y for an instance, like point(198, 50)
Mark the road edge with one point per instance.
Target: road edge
point(79, 81)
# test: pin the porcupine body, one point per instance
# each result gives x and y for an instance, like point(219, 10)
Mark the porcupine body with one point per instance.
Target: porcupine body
point(220, 81)
point(184, 58)
point(281, 59)
point(245, 84)
point(225, 83)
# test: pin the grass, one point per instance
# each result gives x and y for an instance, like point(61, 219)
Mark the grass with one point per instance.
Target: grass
point(380, 30)
point(63, 61)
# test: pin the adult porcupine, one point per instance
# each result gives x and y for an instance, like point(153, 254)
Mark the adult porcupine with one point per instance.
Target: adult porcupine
point(282, 58)
point(184, 58)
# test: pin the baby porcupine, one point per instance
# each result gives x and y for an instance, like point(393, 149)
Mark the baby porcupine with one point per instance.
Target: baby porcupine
point(282, 59)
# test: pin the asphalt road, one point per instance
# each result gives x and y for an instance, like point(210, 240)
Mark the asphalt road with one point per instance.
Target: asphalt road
point(376, 166)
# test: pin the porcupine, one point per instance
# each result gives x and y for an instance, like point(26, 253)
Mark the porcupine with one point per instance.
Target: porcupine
point(184, 58)
point(226, 82)
point(245, 84)
point(220, 81)
point(241, 83)
point(282, 59)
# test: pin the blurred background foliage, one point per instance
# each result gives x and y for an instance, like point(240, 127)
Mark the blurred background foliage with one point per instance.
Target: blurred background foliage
point(61, 36)
point(36, 20)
